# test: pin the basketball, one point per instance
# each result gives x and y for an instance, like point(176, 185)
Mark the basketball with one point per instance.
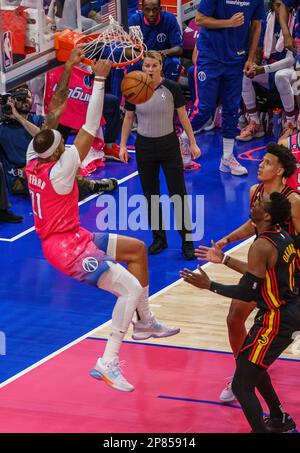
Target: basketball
point(137, 87)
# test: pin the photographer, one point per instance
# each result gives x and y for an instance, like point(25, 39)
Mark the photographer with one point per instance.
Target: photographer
point(17, 128)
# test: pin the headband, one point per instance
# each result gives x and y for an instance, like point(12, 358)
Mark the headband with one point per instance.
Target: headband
point(53, 147)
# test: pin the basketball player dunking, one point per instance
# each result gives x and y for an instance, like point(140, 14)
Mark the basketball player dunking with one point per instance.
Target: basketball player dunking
point(89, 258)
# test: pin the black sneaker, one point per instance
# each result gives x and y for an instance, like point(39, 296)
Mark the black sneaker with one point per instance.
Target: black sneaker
point(104, 185)
point(157, 246)
point(9, 217)
point(188, 251)
point(285, 424)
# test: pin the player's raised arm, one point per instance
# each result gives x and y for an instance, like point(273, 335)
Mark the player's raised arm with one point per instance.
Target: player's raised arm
point(85, 136)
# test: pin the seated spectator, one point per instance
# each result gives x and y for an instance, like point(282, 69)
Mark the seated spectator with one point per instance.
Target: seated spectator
point(90, 16)
point(5, 214)
point(275, 71)
point(161, 32)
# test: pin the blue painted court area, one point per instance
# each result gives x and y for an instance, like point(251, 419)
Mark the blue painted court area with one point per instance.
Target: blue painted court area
point(42, 310)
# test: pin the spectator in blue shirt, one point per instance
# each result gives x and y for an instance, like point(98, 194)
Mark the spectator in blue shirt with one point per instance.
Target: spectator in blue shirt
point(162, 33)
point(226, 47)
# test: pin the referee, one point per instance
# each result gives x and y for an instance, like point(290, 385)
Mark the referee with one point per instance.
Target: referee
point(157, 146)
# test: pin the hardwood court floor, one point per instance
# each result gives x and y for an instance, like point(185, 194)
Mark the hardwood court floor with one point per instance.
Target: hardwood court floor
point(200, 314)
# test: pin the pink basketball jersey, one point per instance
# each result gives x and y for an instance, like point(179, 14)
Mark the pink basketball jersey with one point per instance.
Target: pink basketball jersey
point(53, 213)
point(294, 146)
point(80, 90)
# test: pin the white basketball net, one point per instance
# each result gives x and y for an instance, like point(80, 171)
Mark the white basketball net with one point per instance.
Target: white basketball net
point(115, 44)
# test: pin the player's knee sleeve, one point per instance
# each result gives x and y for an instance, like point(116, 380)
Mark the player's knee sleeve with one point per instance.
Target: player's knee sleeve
point(120, 282)
point(123, 284)
point(112, 245)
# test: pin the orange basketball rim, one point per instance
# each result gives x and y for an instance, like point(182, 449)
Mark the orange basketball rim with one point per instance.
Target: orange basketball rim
point(113, 43)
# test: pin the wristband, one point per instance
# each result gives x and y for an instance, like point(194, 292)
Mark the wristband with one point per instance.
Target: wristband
point(99, 78)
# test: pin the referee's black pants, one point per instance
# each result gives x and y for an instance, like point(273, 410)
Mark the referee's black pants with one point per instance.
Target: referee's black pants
point(151, 155)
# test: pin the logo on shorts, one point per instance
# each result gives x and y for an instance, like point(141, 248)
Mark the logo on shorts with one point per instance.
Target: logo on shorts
point(161, 37)
point(201, 76)
point(264, 340)
point(90, 264)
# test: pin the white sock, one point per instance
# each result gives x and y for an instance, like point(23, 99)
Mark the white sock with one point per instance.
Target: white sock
point(143, 306)
point(254, 117)
point(113, 345)
point(228, 144)
point(116, 335)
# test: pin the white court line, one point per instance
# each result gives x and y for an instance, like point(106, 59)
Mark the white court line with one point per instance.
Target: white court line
point(91, 197)
point(83, 337)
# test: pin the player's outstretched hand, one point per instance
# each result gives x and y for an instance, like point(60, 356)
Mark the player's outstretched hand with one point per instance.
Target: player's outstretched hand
point(101, 68)
point(200, 280)
point(212, 254)
point(76, 55)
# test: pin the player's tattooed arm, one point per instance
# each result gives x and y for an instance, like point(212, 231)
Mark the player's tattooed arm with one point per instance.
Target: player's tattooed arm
point(60, 96)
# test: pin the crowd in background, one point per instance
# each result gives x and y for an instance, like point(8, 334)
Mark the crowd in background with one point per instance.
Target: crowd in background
point(246, 91)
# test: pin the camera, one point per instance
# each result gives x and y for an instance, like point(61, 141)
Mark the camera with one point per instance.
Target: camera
point(5, 108)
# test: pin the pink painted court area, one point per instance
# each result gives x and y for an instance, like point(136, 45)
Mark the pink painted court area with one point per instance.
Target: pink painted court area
point(177, 391)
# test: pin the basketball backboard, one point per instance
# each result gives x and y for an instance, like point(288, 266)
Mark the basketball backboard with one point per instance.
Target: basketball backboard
point(27, 30)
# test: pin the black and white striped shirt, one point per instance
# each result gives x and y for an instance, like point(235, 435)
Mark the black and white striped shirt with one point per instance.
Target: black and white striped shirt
point(155, 117)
